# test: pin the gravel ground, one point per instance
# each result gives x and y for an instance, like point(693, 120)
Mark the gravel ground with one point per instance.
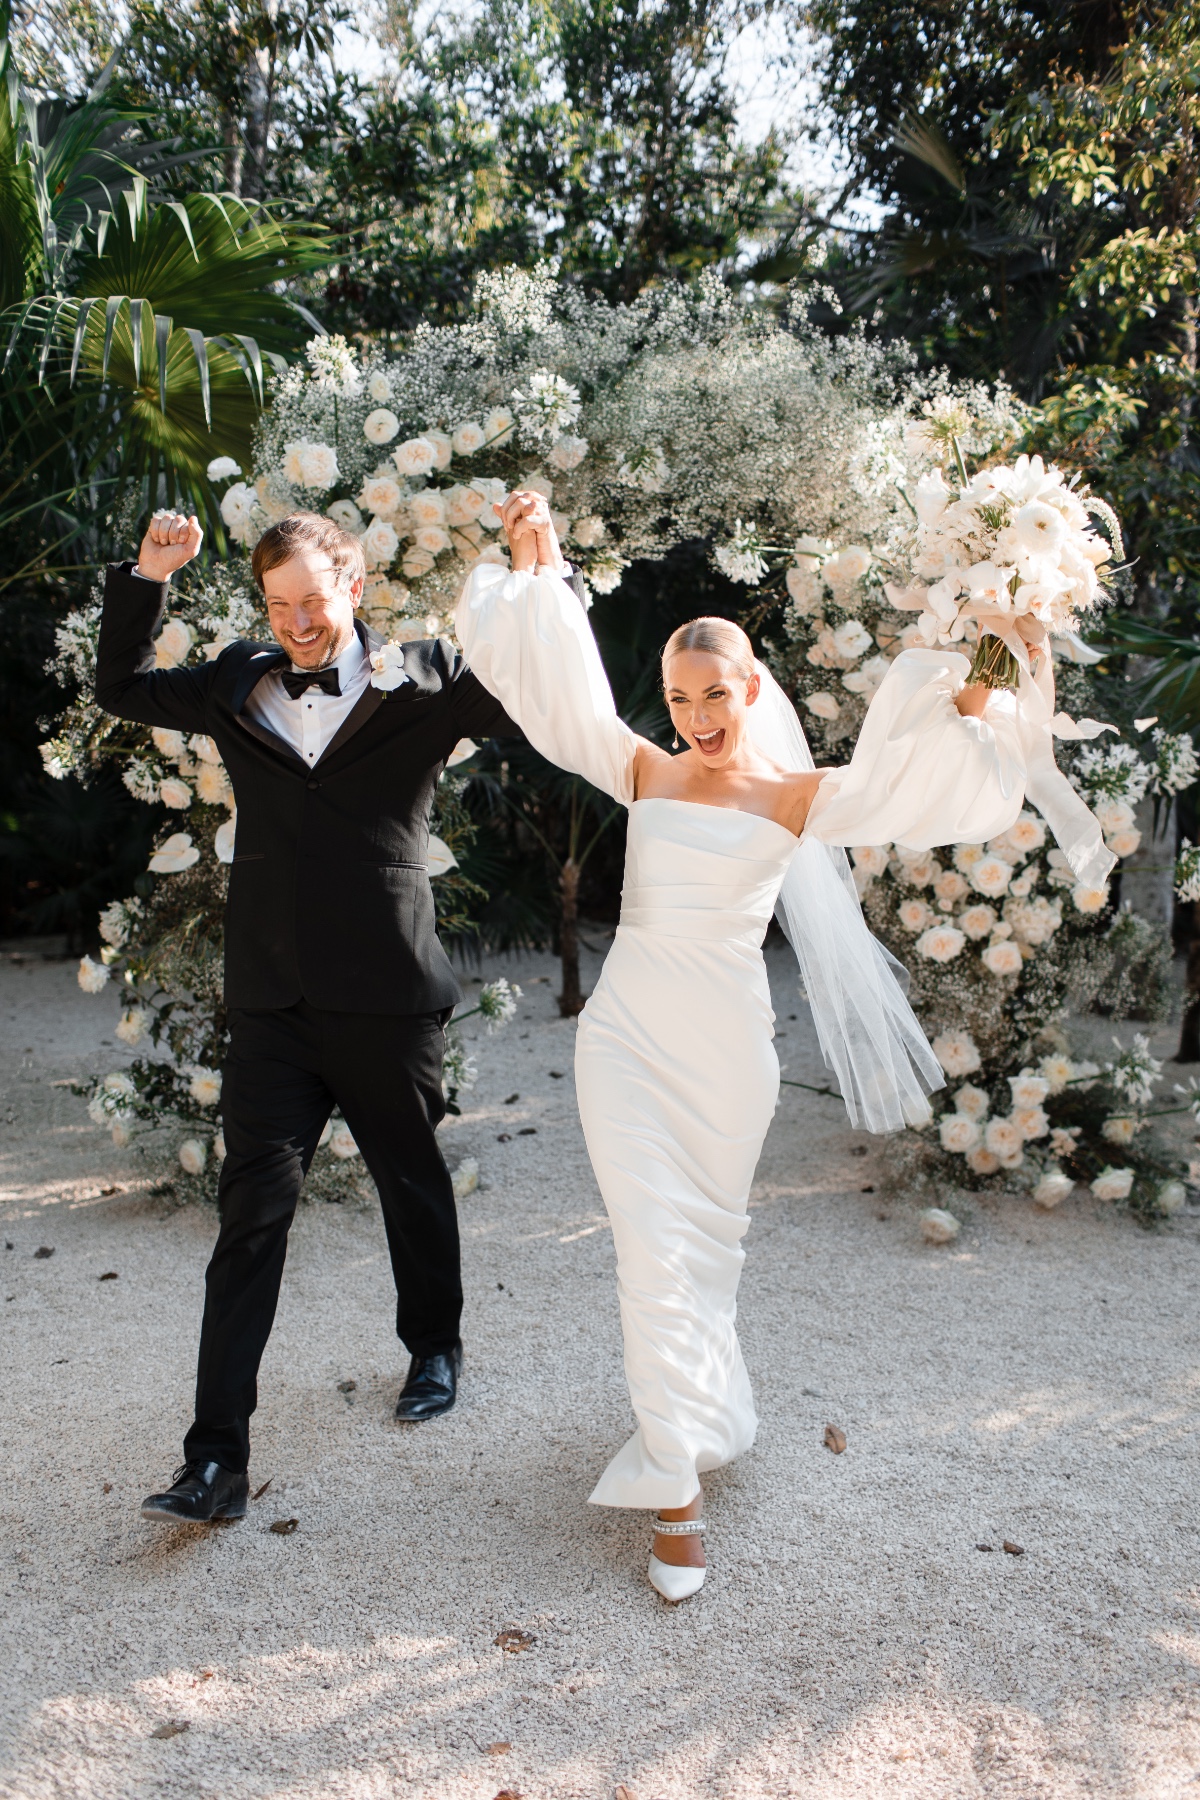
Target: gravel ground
point(1036, 1382)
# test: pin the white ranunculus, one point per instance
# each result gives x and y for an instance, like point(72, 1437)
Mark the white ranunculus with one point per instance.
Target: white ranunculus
point(1003, 1138)
point(415, 456)
point(567, 454)
point(958, 1133)
point(224, 840)
point(499, 425)
point(823, 704)
point(443, 448)
point(341, 1142)
point(1053, 1187)
point(941, 943)
point(222, 467)
point(205, 1086)
point(380, 426)
point(957, 1052)
point(441, 859)
point(1089, 899)
point(237, 510)
point(175, 793)
point(1123, 843)
point(1171, 1198)
point(990, 875)
point(379, 494)
point(469, 438)
point(428, 507)
point(1002, 957)
point(972, 1101)
point(931, 497)
point(417, 562)
point(1028, 1089)
point(1113, 1184)
point(938, 1226)
point(193, 1155)
point(172, 644)
point(175, 855)
point(1120, 1130)
point(852, 640)
point(433, 538)
point(132, 1026)
point(92, 975)
point(310, 465)
point(1038, 530)
point(982, 1161)
point(380, 543)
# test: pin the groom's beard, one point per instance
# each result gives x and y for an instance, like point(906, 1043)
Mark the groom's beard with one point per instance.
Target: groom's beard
point(320, 654)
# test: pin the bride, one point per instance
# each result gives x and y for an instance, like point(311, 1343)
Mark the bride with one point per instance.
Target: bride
point(676, 1074)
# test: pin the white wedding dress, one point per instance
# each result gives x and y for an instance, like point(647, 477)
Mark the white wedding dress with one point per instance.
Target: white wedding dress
point(676, 1072)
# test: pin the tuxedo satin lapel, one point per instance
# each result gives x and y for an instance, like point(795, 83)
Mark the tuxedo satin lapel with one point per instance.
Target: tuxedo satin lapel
point(260, 664)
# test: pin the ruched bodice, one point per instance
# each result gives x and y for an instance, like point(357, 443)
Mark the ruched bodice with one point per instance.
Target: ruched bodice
point(704, 872)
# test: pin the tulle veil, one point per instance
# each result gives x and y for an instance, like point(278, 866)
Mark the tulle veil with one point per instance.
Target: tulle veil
point(869, 1035)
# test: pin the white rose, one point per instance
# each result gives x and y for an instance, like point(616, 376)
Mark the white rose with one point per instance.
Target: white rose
point(1002, 957)
point(920, 869)
point(380, 426)
point(342, 1143)
point(958, 1133)
point(957, 1052)
point(415, 456)
point(469, 438)
point(205, 1086)
point(175, 855)
point(982, 1161)
point(804, 590)
point(950, 885)
point(1031, 1122)
point(224, 840)
point(1121, 1130)
point(1089, 899)
point(561, 523)
point(1172, 1198)
point(1004, 1139)
point(237, 510)
point(967, 855)
point(310, 465)
point(990, 875)
point(871, 857)
point(851, 640)
point(938, 1226)
point(977, 921)
point(1053, 1187)
point(175, 793)
point(92, 975)
point(567, 453)
point(1114, 815)
point(219, 1150)
point(1028, 1089)
point(192, 1156)
point(1027, 835)
point(380, 543)
point(972, 1101)
point(1113, 1184)
point(433, 538)
point(378, 494)
point(416, 563)
point(461, 505)
point(379, 388)
point(443, 448)
point(823, 704)
point(1123, 843)
point(499, 426)
point(172, 644)
point(869, 679)
point(941, 943)
point(914, 915)
point(428, 507)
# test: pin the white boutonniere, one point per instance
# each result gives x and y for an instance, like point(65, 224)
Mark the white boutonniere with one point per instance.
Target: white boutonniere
point(387, 666)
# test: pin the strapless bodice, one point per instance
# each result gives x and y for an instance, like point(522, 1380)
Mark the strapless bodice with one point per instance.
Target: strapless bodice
point(704, 872)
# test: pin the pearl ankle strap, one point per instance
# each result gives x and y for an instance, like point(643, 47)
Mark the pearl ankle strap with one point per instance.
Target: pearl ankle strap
point(679, 1527)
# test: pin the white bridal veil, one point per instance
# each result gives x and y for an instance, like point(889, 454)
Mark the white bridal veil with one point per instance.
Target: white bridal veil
point(868, 1033)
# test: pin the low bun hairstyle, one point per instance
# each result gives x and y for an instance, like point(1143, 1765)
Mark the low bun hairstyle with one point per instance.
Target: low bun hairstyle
point(714, 637)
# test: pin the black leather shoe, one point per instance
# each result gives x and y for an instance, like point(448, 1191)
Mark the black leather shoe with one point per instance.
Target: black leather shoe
point(432, 1385)
point(200, 1491)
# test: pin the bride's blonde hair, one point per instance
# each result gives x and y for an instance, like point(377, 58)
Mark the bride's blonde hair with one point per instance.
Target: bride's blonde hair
point(715, 637)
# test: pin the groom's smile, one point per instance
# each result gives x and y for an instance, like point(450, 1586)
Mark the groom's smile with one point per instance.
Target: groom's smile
point(310, 606)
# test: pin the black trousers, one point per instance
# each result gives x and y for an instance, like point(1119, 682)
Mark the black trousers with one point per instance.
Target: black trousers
point(285, 1072)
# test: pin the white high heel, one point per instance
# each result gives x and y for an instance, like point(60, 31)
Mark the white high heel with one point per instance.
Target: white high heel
point(676, 1581)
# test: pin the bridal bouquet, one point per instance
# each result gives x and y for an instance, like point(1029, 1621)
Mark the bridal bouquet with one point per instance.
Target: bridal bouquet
point(1003, 560)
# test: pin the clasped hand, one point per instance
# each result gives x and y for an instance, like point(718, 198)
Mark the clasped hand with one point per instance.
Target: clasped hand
point(532, 540)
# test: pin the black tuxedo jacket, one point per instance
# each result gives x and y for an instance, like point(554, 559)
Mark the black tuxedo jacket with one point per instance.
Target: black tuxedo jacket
point(329, 895)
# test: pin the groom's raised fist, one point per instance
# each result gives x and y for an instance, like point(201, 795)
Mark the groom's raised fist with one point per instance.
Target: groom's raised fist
point(171, 540)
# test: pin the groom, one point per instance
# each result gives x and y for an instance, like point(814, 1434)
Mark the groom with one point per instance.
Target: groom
point(337, 988)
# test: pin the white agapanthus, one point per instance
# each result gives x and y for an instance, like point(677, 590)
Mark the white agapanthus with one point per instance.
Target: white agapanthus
point(740, 563)
point(333, 364)
point(459, 1070)
point(1176, 764)
point(113, 1099)
point(118, 920)
point(380, 426)
point(1187, 872)
point(604, 572)
point(498, 1002)
point(221, 468)
point(547, 406)
point(1135, 1072)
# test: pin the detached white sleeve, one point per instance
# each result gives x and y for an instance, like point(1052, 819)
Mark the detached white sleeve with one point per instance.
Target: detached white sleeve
point(527, 638)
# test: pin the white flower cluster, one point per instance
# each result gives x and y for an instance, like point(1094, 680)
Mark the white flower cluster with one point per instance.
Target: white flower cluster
point(498, 1002)
point(991, 1143)
point(1187, 872)
point(1013, 541)
point(1176, 764)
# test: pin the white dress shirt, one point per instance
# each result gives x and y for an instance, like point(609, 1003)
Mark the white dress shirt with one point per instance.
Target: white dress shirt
point(309, 723)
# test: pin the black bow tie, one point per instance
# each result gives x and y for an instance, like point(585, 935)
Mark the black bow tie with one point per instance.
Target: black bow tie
point(297, 680)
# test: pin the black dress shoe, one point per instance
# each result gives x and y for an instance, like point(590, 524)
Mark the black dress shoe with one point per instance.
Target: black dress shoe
point(432, 1385)
point(200, 1491)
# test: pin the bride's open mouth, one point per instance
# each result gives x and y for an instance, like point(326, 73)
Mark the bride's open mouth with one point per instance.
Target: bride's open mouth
point(711, 743)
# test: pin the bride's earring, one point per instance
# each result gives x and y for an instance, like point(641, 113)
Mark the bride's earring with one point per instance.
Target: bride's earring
point(675, 742)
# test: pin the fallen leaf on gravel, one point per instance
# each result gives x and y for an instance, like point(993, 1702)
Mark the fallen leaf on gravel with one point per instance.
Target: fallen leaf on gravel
point(1013, 1549)
point(500, 1748)
point(556, 1074)
point(504, 1138)
point(527, 1131)
point(985, 1546)
point(262, 1490)
point(110, 1189)
point(509, 1794)
point(512, 1099)
point(205, 1675)
point(172, 1728)
point(8, 1244)
point(107, 1488)
point(347, 1387)
point(835, 1439)
point(41, 1255)
point(869, 1189)
point(109, 1275)
point(284, 1527)
point(514, 1639)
